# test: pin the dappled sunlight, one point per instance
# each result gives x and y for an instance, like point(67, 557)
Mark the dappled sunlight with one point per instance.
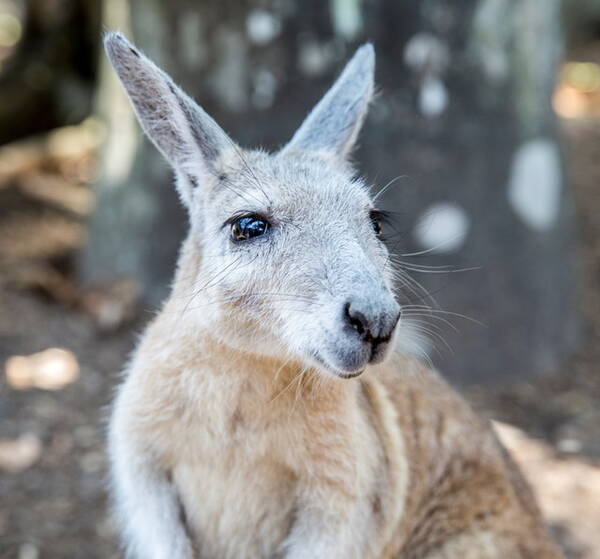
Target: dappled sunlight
point(11, 28)
point(51, 369)
point(578, 92)
point(566, 487)
point(20, 453)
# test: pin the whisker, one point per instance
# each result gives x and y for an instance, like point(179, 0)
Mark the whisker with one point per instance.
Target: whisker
point(449, 313)
point(418, 267)
point(249, 170)
point(431, 249)
point(210, 282)
point(432, 333)
point(415, 287)
point(433, 317)
point(299, 387)
point(388, 185)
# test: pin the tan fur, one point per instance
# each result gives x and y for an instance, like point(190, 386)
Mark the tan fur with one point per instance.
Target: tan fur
point(430, 478)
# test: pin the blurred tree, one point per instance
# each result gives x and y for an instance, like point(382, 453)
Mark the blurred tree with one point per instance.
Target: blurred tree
point(464, 115)
point(48, 50)
point(582, 21)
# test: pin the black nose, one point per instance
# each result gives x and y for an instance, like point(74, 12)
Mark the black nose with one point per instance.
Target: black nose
point(373, 327)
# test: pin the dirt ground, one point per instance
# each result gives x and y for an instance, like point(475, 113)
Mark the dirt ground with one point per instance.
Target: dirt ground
point(53, 406)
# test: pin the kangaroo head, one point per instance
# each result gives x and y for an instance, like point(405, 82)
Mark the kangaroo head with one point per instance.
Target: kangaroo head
point(290, 259)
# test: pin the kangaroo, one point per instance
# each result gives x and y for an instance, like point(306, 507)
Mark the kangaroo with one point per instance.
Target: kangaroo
point(267, 411)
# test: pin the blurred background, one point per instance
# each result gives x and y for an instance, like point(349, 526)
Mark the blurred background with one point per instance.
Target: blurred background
point(483, 142)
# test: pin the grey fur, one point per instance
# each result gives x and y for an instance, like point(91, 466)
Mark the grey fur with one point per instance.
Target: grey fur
point(333, 125)
point(187, 136)
point(308, 182)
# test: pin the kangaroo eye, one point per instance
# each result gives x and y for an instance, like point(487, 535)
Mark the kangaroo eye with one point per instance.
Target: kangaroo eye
point(376, 222)
point(248, 227)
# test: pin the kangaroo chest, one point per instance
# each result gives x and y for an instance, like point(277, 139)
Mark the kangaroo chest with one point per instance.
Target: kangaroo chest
point(245, 468)
point(236, 508)
point(236, 491)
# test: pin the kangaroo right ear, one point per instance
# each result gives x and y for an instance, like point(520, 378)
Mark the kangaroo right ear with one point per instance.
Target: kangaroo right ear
point(187, 136)
point(333, 125)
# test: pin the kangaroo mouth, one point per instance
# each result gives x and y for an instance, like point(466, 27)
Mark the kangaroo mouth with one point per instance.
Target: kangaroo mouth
point(337, 372)
point(350, 375)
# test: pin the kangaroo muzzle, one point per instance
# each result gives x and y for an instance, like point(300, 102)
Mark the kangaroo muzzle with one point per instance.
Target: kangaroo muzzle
point(365, 329)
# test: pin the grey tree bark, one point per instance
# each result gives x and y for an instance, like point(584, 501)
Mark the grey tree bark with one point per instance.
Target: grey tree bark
point(464, 117)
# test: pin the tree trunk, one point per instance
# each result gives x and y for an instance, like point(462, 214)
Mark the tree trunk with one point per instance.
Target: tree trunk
point(464, 117)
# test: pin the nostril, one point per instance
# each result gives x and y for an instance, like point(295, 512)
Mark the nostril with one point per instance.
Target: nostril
point(385, 333)
point(357, 320)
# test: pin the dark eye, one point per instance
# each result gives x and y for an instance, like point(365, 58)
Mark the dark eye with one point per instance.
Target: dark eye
point(248, 227)
point(376, 222)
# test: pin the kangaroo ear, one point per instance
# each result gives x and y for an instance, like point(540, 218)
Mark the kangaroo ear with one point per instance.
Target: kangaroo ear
point(333, 125)
point(189, 139)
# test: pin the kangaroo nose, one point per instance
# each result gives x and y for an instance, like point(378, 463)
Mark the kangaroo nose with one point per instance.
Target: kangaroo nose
point(373, 327)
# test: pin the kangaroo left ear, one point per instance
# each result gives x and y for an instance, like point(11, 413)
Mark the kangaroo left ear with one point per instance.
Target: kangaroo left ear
point(333, 125)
